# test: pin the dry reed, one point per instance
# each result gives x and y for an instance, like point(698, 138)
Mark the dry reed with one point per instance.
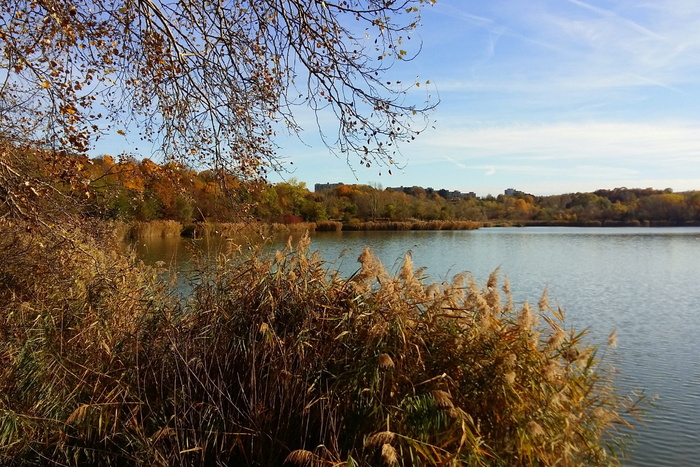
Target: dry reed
point(257, 229)
point(413, 225)
point(276, 359)
point(153, 229)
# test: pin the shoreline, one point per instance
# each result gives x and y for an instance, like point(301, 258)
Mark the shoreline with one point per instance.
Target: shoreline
point(169, 228)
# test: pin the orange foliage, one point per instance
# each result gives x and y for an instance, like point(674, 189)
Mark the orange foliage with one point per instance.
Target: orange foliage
point(345, 190)
point(150, 168)
point(130, 176)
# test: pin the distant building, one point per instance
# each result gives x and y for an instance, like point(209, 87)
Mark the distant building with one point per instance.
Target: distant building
point(453, 195)
point(510, 191)
point(326, 186)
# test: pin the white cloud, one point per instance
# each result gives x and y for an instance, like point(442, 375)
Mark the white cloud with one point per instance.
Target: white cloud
point(454, 162)
point(678, 142)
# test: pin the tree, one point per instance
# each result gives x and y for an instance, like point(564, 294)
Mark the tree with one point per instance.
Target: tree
point(292, 196)
point(206, 82)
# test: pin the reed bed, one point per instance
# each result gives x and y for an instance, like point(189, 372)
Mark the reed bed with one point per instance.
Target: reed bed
point(328, 226)
point(413, 225)
point(260, 229)
point(279, 361)
point(153, 229)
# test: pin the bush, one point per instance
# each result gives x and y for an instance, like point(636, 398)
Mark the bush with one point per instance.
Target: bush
point(277, 360)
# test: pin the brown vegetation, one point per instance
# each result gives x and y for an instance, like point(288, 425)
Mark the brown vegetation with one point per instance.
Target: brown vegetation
point(152, 229)
point(130, 191)
point(274, 359)
point(413, 225)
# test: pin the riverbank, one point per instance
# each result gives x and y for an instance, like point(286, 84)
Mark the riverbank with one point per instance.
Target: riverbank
point(170, 228)
point(591, 223)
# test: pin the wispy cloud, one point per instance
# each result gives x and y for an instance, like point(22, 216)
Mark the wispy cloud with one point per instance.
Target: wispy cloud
point(454, 162)
point(618, 18)
point(580, 46)
point(650, 142)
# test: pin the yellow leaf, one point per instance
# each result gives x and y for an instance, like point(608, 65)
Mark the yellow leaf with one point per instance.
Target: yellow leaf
point(45, 84)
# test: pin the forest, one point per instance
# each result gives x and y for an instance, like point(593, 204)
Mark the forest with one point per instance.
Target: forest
point(143, 190)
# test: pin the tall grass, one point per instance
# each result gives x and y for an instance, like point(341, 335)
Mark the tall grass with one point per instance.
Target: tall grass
point(258, 229)
point(152, 229)
point(328, 226)
point(413, 225)
point(276, 360)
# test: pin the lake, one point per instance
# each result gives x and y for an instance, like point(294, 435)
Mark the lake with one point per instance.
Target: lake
point(641, 281)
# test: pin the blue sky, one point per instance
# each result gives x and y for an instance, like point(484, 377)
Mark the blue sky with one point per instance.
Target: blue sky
point(549, 96)
point(546, 96)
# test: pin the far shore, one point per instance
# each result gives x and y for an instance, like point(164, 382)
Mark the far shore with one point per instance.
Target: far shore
point(170, 228)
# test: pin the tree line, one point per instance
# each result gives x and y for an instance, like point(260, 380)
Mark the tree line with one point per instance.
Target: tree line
point(143, 190)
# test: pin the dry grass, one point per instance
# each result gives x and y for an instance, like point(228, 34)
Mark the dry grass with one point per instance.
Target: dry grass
point(277, 359)
point(166, 228)
point(413, 225)
point(329, 226)
point(257, 229)
point(152, 229)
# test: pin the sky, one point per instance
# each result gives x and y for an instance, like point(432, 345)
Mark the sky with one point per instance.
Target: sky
point(544, 96)
point(548, 97)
